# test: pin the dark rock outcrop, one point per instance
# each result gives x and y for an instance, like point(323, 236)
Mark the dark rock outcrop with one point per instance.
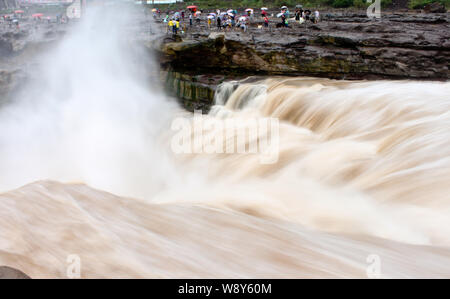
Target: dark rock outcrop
point(196, 92)
point(11, 273)
point(400, 46)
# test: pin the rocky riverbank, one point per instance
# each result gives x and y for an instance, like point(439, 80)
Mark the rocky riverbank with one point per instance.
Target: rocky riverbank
point(342, 46)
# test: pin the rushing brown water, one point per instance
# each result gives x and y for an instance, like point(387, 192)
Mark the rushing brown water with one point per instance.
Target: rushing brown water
point(360, 176)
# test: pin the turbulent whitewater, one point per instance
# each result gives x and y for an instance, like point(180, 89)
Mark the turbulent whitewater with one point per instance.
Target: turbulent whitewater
point(87, 168)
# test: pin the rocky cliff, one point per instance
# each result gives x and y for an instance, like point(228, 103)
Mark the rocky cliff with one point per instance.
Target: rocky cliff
point(350, 47)
point(342, 46)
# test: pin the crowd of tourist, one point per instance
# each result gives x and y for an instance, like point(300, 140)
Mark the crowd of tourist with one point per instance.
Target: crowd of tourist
point(14, 19)
point(231, 19)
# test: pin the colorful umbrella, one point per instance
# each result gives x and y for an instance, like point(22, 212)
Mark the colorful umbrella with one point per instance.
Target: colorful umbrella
point(191, 6)
point(37, 15)
point(19, 11)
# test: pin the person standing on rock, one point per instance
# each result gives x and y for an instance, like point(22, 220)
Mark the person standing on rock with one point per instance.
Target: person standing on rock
point(297, 14)
point(283, 20)
point(177, 26)
point(266, 21)
point(219, 22)
point(190, 19)
point(169, 26)
point(209, 22)
point(16, 22)
point(316, 16)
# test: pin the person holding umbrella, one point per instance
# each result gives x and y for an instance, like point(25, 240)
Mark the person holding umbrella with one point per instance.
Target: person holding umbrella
point(283, 20)
point(264, 11)
point(242, 23)
point(210, 18)
point(299, 7)
point(232, 19)
point(18, 13)
point(197, 17)
point(16, 22)
point(285, 11)
point(192, 8)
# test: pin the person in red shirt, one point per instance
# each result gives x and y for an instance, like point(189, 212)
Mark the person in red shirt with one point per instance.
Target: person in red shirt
point(266, 21)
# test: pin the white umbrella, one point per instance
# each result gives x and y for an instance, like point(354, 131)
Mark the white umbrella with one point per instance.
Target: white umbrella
point(231, 14)
point(212, 14)
point(230, 11)
point(242, 19)
point(279, 15)
point(223, 13)
point(264, 8)
point(284, 7)
point(210, 17)
point(249, 9)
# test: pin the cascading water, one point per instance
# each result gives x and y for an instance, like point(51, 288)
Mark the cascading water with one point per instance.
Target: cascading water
point(362, 170)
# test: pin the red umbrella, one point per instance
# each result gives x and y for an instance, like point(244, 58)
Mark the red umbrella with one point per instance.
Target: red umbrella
point(37, 15)
point(19, 11)
point(192, 8)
